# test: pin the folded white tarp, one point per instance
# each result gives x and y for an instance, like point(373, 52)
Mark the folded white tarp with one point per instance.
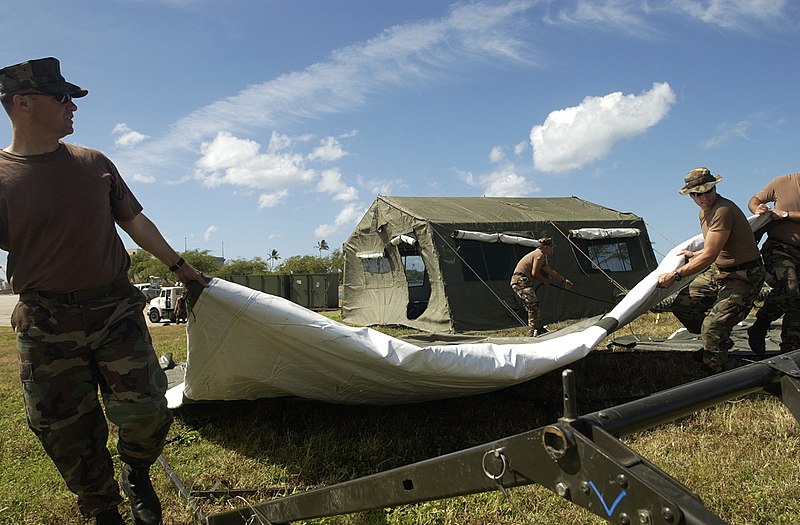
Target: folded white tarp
point(604, 233)
point(407, 239)
point(495, 237)
point(245, 344)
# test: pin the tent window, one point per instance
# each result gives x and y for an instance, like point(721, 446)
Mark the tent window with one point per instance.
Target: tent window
point(413, 265)
point(375, 264)
point(415, 270)
point(489, 262)
point(611, 255)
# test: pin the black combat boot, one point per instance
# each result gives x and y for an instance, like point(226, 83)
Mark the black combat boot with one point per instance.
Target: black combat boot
point(145, 507)
point(756, 336)
point(109, 517)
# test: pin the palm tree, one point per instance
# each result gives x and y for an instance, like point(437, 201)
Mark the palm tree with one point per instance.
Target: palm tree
point(273, 258)
point(322, 245)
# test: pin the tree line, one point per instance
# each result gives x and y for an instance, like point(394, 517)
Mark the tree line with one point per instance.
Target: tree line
point(144, 265)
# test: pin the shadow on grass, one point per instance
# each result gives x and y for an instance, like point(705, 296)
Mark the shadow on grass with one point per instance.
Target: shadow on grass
point(325, 443)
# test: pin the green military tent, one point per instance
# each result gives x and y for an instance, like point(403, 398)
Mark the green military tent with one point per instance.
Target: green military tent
point(443, 264)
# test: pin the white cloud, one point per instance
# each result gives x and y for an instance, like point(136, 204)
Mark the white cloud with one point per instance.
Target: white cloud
point(403, 55)
point(520, 148)
point(573, 137)
point(731, 14)
point(209, 231)
point(497, 154)
point(632, 15)
point(347, 217)
point(380, 186)
point(239, 162)
point(622, 14)
point(329, 150)
point(330, 181)
point(270, 200)
point(727, 133)
point(142, 178)
point(126, 136)
point(506, 182)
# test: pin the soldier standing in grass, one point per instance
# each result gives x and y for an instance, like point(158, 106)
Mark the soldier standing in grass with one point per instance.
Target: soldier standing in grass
point(732, 275)
point(781, 253)
point(79, 322)
point(530, 268)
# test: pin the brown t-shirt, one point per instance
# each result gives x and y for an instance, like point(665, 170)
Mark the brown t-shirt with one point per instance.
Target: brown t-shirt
point(784, 191)
point(525, 265)
point(57, 219)
point(741, 246)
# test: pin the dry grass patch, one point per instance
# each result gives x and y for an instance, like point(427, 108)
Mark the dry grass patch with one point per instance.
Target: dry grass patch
point(741, 456)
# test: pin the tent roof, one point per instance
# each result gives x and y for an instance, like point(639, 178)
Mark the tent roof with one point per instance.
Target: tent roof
point(455, 210)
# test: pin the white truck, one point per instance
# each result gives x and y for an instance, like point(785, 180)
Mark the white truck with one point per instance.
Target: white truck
point(151, 289)
point(164, 306)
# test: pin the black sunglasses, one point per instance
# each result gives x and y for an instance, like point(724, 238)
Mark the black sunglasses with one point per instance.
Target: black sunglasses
point(699, 193)
point(62, 99)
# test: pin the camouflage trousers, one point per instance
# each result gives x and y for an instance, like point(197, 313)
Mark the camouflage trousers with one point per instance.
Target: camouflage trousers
point(782, 262)
point(66, 353)
point(713, 304)
point(525, 290)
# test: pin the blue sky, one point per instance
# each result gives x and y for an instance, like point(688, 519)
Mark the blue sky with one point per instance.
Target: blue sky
point(247, 126)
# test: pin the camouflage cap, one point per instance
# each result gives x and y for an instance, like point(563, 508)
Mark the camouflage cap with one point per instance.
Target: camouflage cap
point(699, 180)
point(42, 74)
point(545, 241)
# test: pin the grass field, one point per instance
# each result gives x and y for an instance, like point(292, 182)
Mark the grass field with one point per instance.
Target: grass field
point(741, 457)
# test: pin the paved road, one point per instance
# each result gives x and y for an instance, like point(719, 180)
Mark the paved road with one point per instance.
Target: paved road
point(8, 301)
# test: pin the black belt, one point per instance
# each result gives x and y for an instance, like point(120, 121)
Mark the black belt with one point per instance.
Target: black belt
point(743, 266)
point(80, 296)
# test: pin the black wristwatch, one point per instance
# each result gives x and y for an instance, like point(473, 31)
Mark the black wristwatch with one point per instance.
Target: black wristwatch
point(175, 267)
point(677, 275)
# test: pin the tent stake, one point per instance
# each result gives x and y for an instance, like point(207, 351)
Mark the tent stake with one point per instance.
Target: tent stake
point(198, 512)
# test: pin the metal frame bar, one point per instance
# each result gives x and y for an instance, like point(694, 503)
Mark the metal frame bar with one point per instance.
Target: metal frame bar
point(578, 458)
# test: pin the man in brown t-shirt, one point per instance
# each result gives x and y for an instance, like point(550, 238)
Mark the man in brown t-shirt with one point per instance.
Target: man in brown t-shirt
point(781, 253)
point(79, 321)
point(531, 268)
point(721, 296)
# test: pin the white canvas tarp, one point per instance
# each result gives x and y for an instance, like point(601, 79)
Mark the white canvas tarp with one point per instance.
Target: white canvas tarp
point(245, 344)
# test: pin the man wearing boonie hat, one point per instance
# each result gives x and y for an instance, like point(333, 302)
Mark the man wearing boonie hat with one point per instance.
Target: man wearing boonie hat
point(79, 322)
point(530, 268)
point(781, 253)
point(732, 273)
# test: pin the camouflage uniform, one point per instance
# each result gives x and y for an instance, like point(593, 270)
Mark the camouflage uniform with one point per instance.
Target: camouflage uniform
point(525, 290)
point(67, 351)
point(782, 262)
point(713, 304)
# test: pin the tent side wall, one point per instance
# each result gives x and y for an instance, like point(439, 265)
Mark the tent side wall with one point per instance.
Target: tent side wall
point(466, 282)
point(480, 302)
point(376, 290)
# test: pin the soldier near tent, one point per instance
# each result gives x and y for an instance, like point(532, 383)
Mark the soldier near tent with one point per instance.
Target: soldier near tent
point(528, 275)
point(79, 323)
point(781, 253)
point(721, 296)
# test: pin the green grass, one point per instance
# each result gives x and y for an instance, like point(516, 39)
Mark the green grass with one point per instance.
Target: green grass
point(741, 457)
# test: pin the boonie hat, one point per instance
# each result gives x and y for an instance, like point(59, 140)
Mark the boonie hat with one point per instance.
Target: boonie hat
point(699, 180)
point(42, 75)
